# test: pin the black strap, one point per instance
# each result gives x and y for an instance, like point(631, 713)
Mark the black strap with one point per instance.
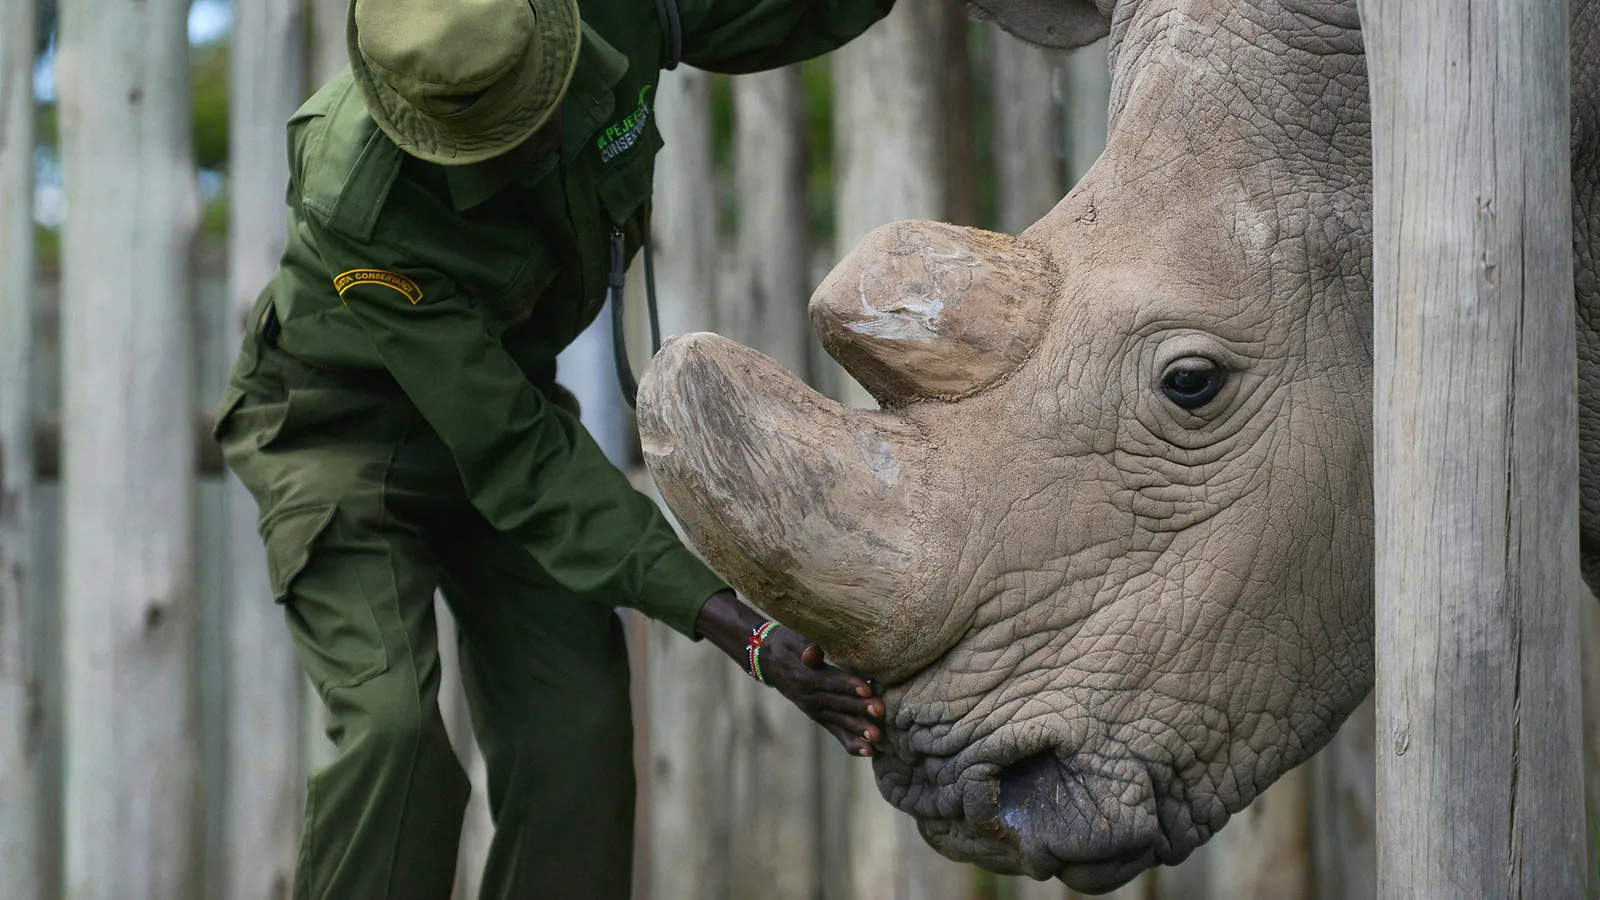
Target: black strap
point(671, 32)
point(616, 281)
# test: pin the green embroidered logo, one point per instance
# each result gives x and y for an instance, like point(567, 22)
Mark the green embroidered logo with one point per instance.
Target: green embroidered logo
point(623, 135)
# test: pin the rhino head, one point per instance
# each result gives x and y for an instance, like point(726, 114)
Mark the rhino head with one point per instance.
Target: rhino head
point(1108, 542)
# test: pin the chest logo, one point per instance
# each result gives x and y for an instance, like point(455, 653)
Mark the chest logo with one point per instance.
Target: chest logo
point(623, 135)
point(344, 281)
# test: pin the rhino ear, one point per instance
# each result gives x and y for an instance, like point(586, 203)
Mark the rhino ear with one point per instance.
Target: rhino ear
point(1047, 23)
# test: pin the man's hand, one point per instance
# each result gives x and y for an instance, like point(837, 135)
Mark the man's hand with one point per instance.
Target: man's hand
point(838, 701)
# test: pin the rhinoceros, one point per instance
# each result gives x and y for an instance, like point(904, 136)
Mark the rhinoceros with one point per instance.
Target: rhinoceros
point(1108, 543)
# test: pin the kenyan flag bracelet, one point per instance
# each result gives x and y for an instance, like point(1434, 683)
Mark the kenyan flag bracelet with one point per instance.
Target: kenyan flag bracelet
point(758, 637)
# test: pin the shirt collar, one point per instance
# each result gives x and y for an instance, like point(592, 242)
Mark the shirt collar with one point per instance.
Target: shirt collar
point(588, 103)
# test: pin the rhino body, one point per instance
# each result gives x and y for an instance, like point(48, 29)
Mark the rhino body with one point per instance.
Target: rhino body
point(1109, 542)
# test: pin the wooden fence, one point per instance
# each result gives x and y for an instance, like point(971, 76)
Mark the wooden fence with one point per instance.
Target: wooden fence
point(143, 665)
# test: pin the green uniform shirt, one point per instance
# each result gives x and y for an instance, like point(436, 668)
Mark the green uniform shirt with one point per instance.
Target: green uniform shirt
point(464, 282)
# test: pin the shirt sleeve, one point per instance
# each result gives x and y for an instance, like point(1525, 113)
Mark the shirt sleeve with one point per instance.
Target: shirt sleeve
point(529, 467)
point(752, 35)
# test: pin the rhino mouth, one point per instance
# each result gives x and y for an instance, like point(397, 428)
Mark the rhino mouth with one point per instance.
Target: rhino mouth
point(1044, 812)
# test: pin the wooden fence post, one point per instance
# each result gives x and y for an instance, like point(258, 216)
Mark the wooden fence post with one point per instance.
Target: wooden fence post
point(889, 112)
point(329, 52)
point(1265, 851)
point(1085, 99)
point(689, 683)
point(477, 827)
point(1344, 810)
point(1479, 765)
point(128, 455)
point(776, 834)
point(264, 784)
point(891, 106)
point(1590, 640)
point(1027, 137)
point(21, 834)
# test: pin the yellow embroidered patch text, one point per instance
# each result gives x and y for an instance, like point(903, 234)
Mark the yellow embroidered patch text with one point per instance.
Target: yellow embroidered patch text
point(344, 281)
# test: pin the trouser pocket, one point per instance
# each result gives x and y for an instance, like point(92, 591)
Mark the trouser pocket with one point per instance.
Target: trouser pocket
point(326, 583)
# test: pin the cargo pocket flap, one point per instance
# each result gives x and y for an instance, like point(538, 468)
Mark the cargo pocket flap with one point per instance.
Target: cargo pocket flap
point(289, 536)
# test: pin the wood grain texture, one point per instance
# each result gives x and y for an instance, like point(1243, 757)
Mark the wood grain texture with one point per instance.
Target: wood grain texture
point(21, 716)
point(328, 50)
point(1265, 851)
point(1085, 105)
point(689, 683)
point(776, 834)
point(1344, 808)
point(892, 161)
point(889, 116)
point(265, 784)
point(1028, 170)
point(1479, 766)
point(1590, 640)
point(765, 308)
point(128, 460)
point(477, 828)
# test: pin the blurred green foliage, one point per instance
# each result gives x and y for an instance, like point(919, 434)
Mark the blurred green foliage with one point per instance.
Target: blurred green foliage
point(817, 84)
point(817, 77)
point(208, 75)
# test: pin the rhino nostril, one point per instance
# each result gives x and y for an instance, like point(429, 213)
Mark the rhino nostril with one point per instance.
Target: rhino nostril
point(1032, 787)
point(1032, 792)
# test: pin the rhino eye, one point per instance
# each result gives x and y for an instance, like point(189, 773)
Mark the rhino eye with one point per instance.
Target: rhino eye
point(1192, 383)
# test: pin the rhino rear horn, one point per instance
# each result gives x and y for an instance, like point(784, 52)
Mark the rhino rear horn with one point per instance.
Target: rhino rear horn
point(922, 310)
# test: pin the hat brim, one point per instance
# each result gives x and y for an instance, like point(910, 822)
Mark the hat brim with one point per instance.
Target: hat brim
point(543, 84)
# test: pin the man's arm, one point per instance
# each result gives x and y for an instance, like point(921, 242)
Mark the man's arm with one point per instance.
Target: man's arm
point(529, 467)
point(752, 35)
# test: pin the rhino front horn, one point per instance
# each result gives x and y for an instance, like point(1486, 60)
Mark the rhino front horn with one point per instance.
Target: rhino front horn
point(804, 505)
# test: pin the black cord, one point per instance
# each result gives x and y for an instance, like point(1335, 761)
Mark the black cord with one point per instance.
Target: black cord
point(616, 281)
point(671, 31)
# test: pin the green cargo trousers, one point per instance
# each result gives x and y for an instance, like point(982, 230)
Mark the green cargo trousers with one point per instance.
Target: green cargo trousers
point(364, 516)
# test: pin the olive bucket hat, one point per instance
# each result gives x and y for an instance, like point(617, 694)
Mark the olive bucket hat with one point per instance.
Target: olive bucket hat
point(459, 81)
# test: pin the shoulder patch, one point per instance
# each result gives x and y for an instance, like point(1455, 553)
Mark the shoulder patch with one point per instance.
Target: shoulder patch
point(344, 281)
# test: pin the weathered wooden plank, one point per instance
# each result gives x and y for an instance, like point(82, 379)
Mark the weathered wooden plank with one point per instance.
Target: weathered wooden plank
point(689, 683)
point(776, 833)
point(477, 828)
point(1085, 102)
point(1475, 449)
point(890, 98)
point(128, 454)
point(1265, 850)
point(328, 51)
point(1029, 171)
point(892, 156)
point(1590, 642)
point(46, 447)
point(1344, 809)
point(766, 306)
point(1028, 889)
point(265, 785)
point(21, 713)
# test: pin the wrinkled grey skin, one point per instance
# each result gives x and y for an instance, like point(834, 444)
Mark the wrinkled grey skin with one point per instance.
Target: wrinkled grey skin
point(1152, 614)
point(1201, 621)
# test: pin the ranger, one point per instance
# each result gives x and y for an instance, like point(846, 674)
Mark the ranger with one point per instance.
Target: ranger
point(395, 413)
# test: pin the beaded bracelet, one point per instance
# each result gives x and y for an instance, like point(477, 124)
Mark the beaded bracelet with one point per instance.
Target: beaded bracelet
point(758, 637)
